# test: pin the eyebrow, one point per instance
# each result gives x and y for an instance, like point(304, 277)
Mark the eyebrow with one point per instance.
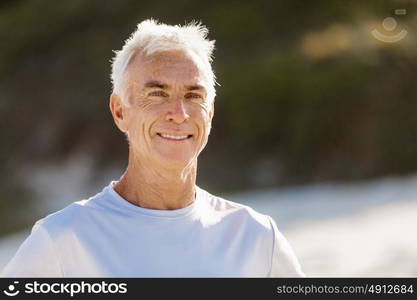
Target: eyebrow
point(157, 84)
point(195, 87)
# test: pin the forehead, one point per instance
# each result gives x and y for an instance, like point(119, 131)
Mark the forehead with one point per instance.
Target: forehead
point(174, 68)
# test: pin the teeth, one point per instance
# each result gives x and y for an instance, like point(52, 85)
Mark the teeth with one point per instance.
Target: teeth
point(175, 137)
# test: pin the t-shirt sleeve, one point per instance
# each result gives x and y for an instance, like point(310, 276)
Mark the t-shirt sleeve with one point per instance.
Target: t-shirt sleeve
point(36, 257)
point(284, 262)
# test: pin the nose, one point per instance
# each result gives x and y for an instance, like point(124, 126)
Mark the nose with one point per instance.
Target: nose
point(177, 112)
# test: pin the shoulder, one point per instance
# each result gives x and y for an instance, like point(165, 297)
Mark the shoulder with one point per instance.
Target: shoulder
point(74, 215)
point(230, 210)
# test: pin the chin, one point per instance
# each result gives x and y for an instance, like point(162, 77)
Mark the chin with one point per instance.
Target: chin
point(175, 161)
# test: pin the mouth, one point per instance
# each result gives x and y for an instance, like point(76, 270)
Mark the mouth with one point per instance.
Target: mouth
point(175, 137)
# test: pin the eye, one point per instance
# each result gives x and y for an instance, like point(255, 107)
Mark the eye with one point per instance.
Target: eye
point(157, 94)
point(193, 96)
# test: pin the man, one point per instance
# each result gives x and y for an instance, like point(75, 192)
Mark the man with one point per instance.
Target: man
point(155, 221)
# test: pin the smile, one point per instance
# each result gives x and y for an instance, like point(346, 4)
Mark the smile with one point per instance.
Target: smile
point(175, 137)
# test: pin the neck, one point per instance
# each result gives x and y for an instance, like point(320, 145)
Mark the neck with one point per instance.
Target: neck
point(156, 187)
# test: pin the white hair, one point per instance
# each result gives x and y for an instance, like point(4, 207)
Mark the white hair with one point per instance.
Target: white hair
point(151, 37)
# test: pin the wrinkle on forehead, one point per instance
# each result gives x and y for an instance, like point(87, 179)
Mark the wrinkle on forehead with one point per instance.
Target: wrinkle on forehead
point(172, 65)
point(175, 68)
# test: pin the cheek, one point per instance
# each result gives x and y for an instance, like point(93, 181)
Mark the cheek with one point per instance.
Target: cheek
point(207, 115)
point(135, 126)
point(203, 109)
point(204, 121)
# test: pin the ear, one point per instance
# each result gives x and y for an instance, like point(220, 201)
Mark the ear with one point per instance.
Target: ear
point(118, 111)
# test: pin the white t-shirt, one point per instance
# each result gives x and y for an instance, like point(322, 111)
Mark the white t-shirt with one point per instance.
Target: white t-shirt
point(107, 236)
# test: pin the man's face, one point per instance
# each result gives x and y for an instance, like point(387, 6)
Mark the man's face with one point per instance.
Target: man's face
point(169, 118)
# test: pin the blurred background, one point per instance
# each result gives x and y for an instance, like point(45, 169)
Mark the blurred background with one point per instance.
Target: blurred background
point(315, 123)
